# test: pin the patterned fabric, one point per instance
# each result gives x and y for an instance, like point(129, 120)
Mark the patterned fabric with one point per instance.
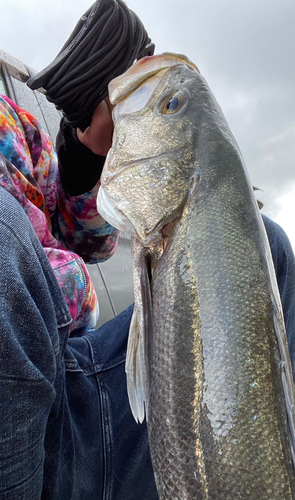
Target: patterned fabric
point(63, 224)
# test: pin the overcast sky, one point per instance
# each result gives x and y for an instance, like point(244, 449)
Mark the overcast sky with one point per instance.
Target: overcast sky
point(244, 48)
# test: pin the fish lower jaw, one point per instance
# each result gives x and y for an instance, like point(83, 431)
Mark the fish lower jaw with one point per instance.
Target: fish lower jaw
point(115, 217)
point(112, 215)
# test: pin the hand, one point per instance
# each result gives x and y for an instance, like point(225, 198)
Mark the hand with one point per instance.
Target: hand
point(98, 136)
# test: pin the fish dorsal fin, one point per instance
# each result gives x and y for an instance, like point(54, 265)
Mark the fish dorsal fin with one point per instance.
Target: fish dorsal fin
point(137, 370)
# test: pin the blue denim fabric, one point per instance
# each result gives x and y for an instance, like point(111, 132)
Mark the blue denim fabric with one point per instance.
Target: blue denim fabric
point(66, 431)
point(284, 264)
point(33, 333)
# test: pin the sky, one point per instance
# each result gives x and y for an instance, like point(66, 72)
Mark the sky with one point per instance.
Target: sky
point(244, 48)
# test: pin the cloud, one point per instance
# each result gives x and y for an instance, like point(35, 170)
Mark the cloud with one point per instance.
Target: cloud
point(34, 33)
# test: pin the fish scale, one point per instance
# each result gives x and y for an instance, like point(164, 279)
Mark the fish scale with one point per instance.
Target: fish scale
point(248, 341)
point(173, 423)
point(233, 451)
point(207, 358)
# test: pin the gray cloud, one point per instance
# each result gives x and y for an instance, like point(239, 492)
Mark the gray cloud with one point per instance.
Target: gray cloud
point(34, 32)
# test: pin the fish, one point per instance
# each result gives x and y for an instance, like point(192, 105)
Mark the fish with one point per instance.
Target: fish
point(207, 359)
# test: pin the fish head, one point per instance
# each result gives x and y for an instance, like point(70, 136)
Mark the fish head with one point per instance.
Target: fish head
point(151, 168)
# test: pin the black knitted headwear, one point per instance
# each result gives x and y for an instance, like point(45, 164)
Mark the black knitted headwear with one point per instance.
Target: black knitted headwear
point(105, 42)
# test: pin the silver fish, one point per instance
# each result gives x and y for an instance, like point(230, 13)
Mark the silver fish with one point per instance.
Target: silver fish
point(207, 359)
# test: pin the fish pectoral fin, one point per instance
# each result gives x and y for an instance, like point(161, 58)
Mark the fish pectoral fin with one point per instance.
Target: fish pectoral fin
point(135, 371)
point(140, 335)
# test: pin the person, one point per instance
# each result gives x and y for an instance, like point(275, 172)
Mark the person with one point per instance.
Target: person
point(66, 430)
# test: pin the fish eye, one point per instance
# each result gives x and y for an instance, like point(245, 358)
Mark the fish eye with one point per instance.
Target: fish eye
point(173, 103)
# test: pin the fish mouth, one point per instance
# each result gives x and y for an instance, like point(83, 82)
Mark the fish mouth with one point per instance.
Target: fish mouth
point(142, 70)
point(148, 231)
point(118, 219)
point(159, 233)
point(152, 172)
point(113, 216)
